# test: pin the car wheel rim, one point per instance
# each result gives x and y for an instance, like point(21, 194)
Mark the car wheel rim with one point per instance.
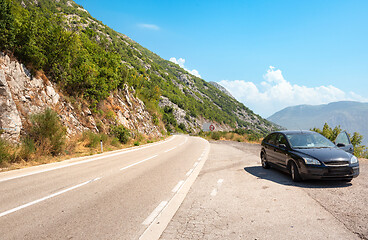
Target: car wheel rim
point(292, 172)
point(263, 161)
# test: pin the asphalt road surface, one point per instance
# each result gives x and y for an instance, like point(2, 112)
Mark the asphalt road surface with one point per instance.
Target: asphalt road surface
point(235, 198)
point(109, 196)
point(146, 193)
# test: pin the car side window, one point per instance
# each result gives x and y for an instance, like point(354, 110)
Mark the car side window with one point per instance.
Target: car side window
point(343, 138)
point(281, 139)
point(272, 139)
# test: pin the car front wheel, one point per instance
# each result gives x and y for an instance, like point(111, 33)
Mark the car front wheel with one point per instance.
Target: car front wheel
point(294, 172)
point(264, 162)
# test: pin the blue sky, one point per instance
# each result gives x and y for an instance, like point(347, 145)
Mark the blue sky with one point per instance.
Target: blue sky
point(268, 54)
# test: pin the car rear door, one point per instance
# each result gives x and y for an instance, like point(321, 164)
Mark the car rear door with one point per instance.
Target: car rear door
point(343, 141)
point(269, 147)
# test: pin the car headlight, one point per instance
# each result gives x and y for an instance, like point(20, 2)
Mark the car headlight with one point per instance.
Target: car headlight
point(311, 161)
point(353, 159)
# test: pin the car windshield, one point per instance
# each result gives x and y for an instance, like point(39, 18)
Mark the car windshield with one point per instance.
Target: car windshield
point(309, 140)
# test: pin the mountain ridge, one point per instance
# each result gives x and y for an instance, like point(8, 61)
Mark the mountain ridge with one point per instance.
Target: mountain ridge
point(350, 115)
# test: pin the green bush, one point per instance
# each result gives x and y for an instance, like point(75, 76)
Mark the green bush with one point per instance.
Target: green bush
point(182, 127)
point(4, 151)
point(121, 133)
point(27, 148)
point(47, 132)
point(215, 135)
point(136, 143)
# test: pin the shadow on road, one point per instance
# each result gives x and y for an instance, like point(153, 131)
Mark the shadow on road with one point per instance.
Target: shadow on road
point(284, 179)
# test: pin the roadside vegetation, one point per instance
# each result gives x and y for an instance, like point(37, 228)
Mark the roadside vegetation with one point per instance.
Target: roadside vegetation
point(47, 141)
point(360, 150)
point(239, 135)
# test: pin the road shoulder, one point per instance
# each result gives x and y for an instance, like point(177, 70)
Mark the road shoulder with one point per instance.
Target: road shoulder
point(231, 200)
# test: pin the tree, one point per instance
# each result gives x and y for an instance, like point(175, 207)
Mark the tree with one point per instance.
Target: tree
point(6, 26)
point(356, 139)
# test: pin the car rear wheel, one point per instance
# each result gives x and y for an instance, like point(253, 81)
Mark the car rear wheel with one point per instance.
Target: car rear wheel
point(294, 172)
point(264, 161)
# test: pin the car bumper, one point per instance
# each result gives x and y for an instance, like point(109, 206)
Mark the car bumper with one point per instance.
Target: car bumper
point(329, 172)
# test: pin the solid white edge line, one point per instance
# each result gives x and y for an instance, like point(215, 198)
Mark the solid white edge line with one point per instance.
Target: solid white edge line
point(121, 169)
point(177, 187)
point(170, 149)
point(154, 214)
point(45, 198)
point(159, 224)
point(189, 172)
point(85, 161)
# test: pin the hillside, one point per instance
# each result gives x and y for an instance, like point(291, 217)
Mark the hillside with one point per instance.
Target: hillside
point(94, 68)
point(351, 116)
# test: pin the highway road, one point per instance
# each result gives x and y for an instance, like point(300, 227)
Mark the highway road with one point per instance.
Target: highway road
point(109, 196)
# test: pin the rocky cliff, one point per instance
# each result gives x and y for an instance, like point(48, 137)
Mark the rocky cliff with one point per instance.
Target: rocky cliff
point(22, 94)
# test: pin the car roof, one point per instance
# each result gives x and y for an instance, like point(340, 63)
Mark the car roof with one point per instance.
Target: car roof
point(295, 132)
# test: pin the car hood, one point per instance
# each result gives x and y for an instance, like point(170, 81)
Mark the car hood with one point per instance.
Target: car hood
point(326, 154)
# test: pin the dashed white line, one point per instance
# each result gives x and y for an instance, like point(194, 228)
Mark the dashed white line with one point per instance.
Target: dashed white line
point(189, 172)
point(170, 149)
point(138, 163)
point(155, 212)
point(195, 164)
point(45, 198)
point(177, 187)
point(214, 192)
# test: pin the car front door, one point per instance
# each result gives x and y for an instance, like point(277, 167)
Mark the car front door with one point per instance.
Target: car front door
point(343, 141)
point(281, 150)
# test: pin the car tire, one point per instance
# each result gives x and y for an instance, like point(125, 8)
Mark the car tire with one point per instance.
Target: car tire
point(264, 161)
point(294, 172)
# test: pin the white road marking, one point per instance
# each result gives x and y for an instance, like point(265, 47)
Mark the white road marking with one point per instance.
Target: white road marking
point(45, 198)
point(177, 187)
point(121, 169)
point(155, 212)
point(189, 172)
point(84, 161)
point(195, 164)
point(214, 192)
point(199, 159)
point(170, 149)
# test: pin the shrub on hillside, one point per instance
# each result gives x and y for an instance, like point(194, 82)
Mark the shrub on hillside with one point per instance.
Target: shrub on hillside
point(121, 133)
point(4, 151)
point(47, 132)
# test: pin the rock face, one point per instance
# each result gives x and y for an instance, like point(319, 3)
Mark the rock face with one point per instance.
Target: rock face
point(222, 89)
point(22, 94)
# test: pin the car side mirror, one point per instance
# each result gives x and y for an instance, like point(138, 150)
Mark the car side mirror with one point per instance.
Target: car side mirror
point(340, 145)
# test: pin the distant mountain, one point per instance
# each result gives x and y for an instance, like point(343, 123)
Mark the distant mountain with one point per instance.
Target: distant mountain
point(351, 116)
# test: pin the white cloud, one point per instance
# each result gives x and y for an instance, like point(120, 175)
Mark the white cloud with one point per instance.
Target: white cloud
point(275, 93)
point(181, 62)
point(149, 26)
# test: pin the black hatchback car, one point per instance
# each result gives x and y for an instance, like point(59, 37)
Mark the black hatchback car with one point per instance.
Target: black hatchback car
point(309, 155)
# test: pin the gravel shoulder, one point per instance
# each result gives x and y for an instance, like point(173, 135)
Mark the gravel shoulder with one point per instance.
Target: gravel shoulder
point(235, 198)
